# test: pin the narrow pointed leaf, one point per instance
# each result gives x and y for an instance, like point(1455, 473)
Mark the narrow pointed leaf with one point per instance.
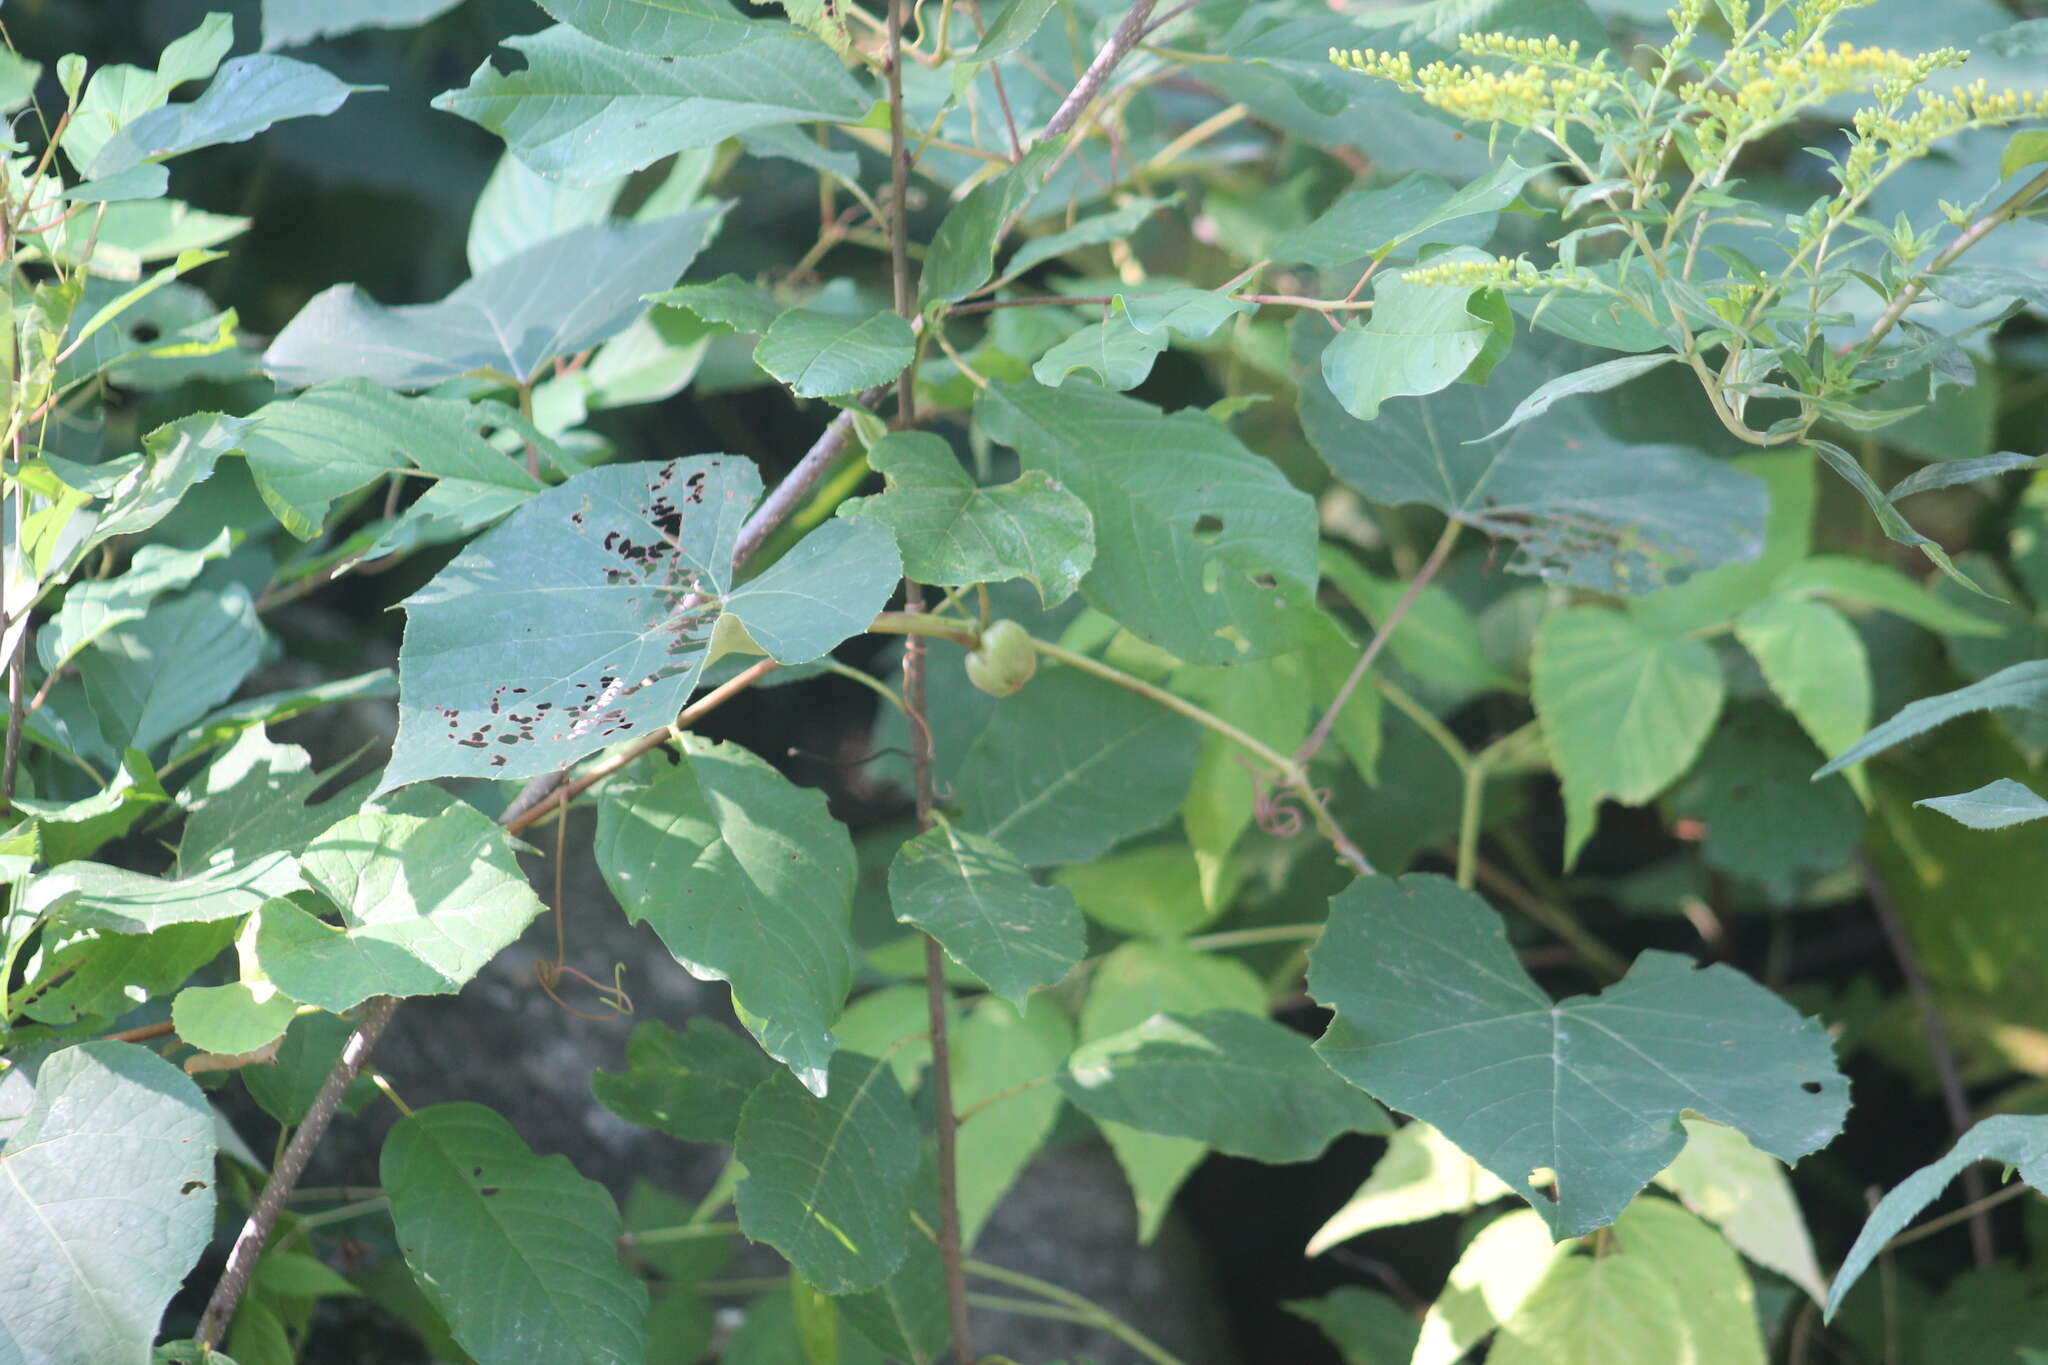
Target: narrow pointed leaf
point(973, 896)
point(2023, 687)
point(1995, 805)
point(1419, 207)
point(962, 255)
point(1608, 374)
point(106, 1201)
point(748, 880)
point(1437, 1019)
point(518, 1252)
point(828, 1176)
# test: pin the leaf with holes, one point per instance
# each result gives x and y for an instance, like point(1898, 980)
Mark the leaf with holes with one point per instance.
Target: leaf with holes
point(518, 1252)
point(555, 298)
point(106, 1201)
point(828, 1176)
point(954, 534)
point(583, 111)
point(1073, 765)
point(748, 880)
point(1243, 1084)
point(973, 896)
point(504, 673)
point(1625, 707)
point(821, 354)
point(424, 903)
point(1585, 508)
point(1201, 546)
point(1436, 1018)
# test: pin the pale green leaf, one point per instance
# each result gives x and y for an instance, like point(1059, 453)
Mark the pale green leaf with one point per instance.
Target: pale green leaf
point(828, 1176)
point(1419, 207)
point(2019, 1141)
point(954, 534)
point(553, 299)
point(1137, 328)
point(973, 896)
point(230, 1019)
point(1608, 374)
point(1012, 28)
point(583, 111)
point(1625, 708)
point(825, 588)
point(1419, 339)
point(820, 354)
point(1889, 518)
point(150, 678)
point(118, 93)
point(1073, 765)
point(1422, 1174)
point(1103, 228)
point(748, 880)
point(728, 300)
point(1238, 1082)
point(1995, 805)
point(1149, 892)
point(962, 255)
point(517, 1251)
point(1747, 1194)
point(2022, 687)
point(95, 606)
point(1438, 639)
point(106, 1202)
point(661, 28)
point(1867, 583)
point(115, 900)
point(425, 902)
point(1716, 1303)
point(1815, 662)
point(1201, 546)
point(247, 96)
point(1436, 1018)
point(1617, 1310)
point(1267, 699)
point(1949, 473)
point(689, 1085)
point(294, 23)
point(1004, 1064)
point(1495, 1275)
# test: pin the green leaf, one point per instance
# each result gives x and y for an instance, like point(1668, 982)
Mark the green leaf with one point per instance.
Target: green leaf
point(728, 300)
point(1004, 1063)
point(424, 902)
point(1608, 374)
point(1949, 473)
point(1419, 339)
point(1889, 519)
point(2022, 687)
point(1438, 639)
point(1995, 805)
point(1625, 707)
point(328, 442)
point(661, 28)
point(1815, 662)
point(1368, 1325)
point(1149, 892)
point(1072, 766)
point(828, 1176)
point(1584, 507)
point(821, 354)
point(1609, 1311)
point(148, 679)
point(2030, 146)
point(1498, 1271)
point(1240, 1083)
point(954, 534)
point(1268, 699)
point(119, 93)
point(582, 111)
point(230, 1019)
point(973, 896)
point(1422, 1174)
point(106, 1203)
point(505, 674)
point(2019, 1141)
point(1201, 546)
point(1745, 1193)
point(1867, 583)
point(1096, 231)
point(287, 1087)
point(1716, 1302)
point(1133, 334)
point(689, 1085)
point(962, 255)
point(518, 1252)
point(295, 23)
point(95, 606)
point(1436, 1018)
point(248, 95)
point(115, 900)
point(1012, 29)
point(559, 297)
point(179, 455)
point(748, 880)
point(1417, 208)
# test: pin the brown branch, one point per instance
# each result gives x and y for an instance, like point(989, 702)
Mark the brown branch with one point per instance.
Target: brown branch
point(355, 1054)
point(1939, 1045)
point(950, 1251)
point(1097, 75)
point(899, 208)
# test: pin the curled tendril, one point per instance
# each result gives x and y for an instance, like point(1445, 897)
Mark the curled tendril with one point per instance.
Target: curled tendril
point(1279, 811)
point(548, 974)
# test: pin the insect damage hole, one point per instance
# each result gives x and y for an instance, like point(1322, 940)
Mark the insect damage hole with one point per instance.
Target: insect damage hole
point(1207, 527)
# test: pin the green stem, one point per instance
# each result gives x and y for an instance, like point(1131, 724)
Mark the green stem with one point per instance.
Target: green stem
point(1426, 721)
point(1471, 817)
point(682, 1232)
point(1252, 938)
point(1086, 1311)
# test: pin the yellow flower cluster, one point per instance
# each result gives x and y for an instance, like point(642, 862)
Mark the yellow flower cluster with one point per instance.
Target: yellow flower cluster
point(1499, 272)
point(1768, 88)
point(1882, 134)
point(1528, 96)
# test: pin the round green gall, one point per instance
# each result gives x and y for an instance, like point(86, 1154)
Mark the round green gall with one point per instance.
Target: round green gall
point(1004, 661)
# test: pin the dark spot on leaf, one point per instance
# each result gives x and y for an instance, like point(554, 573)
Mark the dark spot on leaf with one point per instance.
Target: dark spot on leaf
point(146, 332)
point(1266, 581)
point(1207, 528)
point(191, 1185)
point(1810, 1087)
point(487, 1190)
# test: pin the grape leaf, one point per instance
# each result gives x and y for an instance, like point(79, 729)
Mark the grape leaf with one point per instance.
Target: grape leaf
point(1436, 1018)
point(1495, 1275)
point(150, 678)
point(582, 111)
point(1201, 546)
point(106, 1202)
point(1240, 1083)
point(555, 298)
point(819, 354)
point(518, 1252)
point(1597, 1312)
point(1421, 1175)
point(425, 902)
point(828, 1176)
point(748, 880)
point(973, 896)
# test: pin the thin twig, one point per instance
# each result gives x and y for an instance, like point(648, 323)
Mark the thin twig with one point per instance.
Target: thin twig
point(899, 206)
point(1097, 75)
point(1428, 571)
point(1939, 1046)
